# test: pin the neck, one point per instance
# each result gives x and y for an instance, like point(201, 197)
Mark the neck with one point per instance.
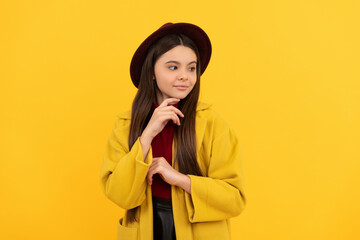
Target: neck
point(160, 97)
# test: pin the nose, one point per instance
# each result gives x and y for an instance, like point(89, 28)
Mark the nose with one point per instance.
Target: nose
point(183, 75)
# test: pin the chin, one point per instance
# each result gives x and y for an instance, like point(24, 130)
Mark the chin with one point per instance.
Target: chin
point(181, 96)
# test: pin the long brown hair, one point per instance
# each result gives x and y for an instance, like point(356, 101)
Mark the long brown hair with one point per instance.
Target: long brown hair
point(184, 135)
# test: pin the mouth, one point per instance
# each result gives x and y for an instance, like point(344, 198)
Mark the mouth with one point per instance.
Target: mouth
point(181, 87)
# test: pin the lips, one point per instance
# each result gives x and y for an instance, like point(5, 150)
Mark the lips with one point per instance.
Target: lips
point(181, 87)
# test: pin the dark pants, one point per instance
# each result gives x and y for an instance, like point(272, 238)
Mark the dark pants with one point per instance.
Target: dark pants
point(164, 228)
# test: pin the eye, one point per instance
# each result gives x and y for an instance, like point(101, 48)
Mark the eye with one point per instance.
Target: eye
point(192, 69)
point(172, 67)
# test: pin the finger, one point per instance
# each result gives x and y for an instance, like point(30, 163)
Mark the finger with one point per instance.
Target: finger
point(149, 178)
point(173, 109)
point(170, 116)
point(175, 119)
point(178, 112)
point(152, 170)
point(149, 174)
point(168, 101)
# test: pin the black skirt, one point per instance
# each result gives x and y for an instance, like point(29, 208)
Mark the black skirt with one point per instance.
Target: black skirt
point(164, 228)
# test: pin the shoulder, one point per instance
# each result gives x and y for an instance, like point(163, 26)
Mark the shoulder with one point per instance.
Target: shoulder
point(211, 120)
point(122, 122)
point(206, 112)
point(123, 118)
point(124, 115)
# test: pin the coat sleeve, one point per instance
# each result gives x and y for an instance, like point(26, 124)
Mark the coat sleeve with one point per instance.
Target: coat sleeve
point(220, 194)
point(123, 172)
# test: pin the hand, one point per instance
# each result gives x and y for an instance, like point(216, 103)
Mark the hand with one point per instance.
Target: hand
point(168, 174)
point(160, 117)
point(165, 170)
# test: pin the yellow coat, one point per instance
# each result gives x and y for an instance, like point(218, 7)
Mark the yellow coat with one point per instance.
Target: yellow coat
point(214, 199)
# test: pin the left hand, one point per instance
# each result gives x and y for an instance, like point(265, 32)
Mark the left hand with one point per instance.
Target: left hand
point(165, 170)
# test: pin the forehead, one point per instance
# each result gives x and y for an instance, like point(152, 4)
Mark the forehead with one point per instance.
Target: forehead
point(179, 53)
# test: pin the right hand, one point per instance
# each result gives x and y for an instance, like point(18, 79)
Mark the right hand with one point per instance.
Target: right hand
point(160, 117)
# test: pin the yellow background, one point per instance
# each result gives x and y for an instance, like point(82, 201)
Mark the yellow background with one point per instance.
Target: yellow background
point(284, 74)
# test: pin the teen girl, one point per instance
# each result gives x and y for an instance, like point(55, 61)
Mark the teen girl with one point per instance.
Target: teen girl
point(172, 162)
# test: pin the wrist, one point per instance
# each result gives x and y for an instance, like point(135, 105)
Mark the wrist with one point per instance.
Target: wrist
point(184, 183)
point(145, 138)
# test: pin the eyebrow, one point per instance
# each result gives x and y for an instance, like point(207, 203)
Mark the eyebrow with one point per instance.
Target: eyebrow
point(172, 61)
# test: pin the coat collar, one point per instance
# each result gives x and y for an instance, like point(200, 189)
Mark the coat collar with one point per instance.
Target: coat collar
point(200, 107)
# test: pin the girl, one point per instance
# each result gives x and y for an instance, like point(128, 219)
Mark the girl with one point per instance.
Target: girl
point(172, 163)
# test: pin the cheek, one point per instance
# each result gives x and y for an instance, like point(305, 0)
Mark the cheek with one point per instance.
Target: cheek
point(163, 75)
point(158, 72)
point(193, 80)
point(162, 80)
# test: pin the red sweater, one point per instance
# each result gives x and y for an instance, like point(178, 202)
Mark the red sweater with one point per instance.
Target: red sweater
point(162, 147)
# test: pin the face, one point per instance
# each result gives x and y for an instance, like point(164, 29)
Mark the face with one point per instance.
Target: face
point(175, 73)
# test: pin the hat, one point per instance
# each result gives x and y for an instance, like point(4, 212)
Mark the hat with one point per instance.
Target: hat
point(192, 31)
